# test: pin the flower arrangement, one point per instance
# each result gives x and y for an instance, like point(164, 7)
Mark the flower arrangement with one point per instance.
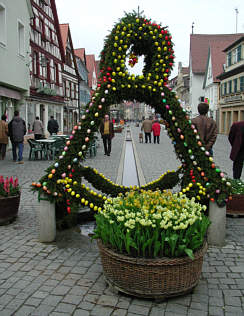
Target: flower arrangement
point(9, 187)
point(152, 224)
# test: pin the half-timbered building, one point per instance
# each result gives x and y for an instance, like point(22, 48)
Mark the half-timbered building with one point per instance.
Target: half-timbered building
point(70, 80)
point(46, 91)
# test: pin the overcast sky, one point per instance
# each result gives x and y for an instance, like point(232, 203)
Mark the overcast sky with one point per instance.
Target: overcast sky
point(91, 20)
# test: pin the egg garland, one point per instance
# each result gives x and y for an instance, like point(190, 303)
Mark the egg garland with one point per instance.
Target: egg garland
point(134, 36)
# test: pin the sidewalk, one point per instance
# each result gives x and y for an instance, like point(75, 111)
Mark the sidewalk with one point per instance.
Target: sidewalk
point(65, 277)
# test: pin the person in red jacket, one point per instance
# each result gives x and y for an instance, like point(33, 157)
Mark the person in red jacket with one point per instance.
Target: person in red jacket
point(156, 128)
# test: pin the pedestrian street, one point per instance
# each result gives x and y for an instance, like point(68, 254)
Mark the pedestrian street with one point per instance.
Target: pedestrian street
point(65, 277)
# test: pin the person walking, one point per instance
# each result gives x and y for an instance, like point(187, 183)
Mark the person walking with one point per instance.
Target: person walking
point(107, 132)
point(147, 128)
point(17, 130)
point(38, 128)
point(3, 136)
point(52, 125)
point(236, 139)
point(206, 127)
point(156, 128)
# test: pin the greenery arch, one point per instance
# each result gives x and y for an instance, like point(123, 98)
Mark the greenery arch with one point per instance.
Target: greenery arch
point(134, 36)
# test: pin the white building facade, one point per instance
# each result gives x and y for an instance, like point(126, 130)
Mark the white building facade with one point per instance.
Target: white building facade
point(15, 19)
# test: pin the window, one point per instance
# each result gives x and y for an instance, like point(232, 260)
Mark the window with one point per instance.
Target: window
point(43, 65)
point(35, 63)
point(21, 38)
point(229, 59)
point(74, 91)
point(209, 72)
point(2, 25)
point(225, 88)
point(50, 34)
point(56, 77)
point(242, 84)
point(238, 53)
point(67, 85)
point(64, 87)
point(48, 71)
point(33, 22)
point(68, 59)
point(70, 90)
point(234, 56)
point(222, 89)
point(42, 29)
point(230, 86)
point(235, 85)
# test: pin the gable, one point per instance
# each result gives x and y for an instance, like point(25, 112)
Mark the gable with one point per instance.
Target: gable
point(70, 59)
point(80, 52)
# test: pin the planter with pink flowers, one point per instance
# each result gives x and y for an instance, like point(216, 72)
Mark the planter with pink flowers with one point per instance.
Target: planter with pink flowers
point(9, 199)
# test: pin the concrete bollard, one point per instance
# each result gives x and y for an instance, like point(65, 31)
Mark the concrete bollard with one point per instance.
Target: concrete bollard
point(47, 221)
point(217, 228)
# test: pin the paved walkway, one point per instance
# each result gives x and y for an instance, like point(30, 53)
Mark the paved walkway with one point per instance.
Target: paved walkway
point(65, 277)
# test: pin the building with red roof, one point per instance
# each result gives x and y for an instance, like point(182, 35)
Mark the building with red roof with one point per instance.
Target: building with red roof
point(81, 53)
point(206, 51)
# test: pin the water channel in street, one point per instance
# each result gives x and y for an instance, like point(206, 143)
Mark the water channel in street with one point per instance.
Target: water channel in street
point(130, 176)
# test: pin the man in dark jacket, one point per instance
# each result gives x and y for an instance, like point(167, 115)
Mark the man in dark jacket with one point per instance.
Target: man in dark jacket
point(206, 127)
point(236, 139)
point(147, 128)
point(52, 126)
point(17, 130)
point(107, 132)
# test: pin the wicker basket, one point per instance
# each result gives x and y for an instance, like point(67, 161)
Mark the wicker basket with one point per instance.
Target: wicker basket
point(151, 278)
point(9, 207)
point(236, 205)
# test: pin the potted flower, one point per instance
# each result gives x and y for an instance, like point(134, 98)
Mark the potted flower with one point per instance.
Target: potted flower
point(235, 204)
point(152, 243)
point(9, 199)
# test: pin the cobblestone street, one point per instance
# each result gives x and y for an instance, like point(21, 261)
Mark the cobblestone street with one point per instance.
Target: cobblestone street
point(65, 277)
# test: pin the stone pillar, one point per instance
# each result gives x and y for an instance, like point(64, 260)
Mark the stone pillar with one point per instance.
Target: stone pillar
point(47, 221)
point(217, 228)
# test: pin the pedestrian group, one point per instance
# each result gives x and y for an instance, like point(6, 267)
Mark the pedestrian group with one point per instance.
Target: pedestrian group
point(16, 130)
point(206, 127)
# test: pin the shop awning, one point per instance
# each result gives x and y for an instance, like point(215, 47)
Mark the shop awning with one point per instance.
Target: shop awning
point(9, 93)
